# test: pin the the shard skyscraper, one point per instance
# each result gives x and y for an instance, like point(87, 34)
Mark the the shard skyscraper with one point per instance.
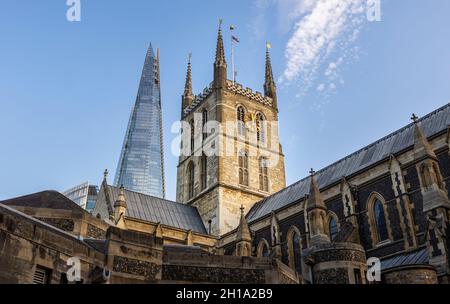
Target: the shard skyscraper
point(141, 163)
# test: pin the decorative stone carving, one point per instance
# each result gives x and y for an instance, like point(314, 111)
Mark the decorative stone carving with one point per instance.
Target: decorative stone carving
point(95, 232)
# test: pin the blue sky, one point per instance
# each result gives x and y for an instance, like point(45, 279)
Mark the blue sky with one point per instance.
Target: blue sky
point(66, 89)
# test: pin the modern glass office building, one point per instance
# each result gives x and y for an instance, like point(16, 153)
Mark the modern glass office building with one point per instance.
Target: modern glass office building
point(84, 195)
point(141, 163)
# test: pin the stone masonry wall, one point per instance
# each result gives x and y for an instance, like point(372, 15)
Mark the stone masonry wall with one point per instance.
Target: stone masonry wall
point(412, 275)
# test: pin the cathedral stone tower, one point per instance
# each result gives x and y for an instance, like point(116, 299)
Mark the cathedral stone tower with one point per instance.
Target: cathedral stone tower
point(230, 150)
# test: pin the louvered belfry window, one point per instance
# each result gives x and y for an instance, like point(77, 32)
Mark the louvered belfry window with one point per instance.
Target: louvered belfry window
point(243, 168)
point(41, 275)
point(240, 117)
point(263, 174)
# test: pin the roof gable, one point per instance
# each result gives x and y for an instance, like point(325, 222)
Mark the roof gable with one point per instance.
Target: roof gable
point(46, 199)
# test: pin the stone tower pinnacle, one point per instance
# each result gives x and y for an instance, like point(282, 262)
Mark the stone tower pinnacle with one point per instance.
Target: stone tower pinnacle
point(317, 212)
point(243, 237)
point(120, 207)
point(315, 198)
point(243, 233)
point(270, 88)
point(220, 64)
point(188, 96)
point(421, 145)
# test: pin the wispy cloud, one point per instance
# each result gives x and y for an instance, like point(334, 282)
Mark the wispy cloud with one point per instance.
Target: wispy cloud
point(322, 40)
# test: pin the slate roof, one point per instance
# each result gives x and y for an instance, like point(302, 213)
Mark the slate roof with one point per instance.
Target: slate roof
point(157, 210)
point(432, 124)
point(46, 199)
point(418, 257)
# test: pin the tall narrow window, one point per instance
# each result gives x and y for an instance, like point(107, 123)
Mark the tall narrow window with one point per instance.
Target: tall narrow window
point(181, 141)
point(204, 165)
point(426, 176)
point(263, 175)
point(438, 175)
point(191, 180)
point(357, 274)
point(333, 228)
point(295, 250)
point(263, 249)
point(240, 120)
point(204, 121)
point(260, 128)
point(192, 136)
point(380, 221)
point(243, 168)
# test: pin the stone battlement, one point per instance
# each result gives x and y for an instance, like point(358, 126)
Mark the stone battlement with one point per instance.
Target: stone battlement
point(247, 92)
point(199, 99)
point(236, 88)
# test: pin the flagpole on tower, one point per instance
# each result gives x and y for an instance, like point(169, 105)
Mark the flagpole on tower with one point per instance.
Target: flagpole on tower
point(232, 55)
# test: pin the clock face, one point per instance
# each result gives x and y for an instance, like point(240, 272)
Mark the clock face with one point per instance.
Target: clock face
point(250, 117)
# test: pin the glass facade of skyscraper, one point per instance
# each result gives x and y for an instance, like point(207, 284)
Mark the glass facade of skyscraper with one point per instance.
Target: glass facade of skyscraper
point(84, 195)
point(141, 163)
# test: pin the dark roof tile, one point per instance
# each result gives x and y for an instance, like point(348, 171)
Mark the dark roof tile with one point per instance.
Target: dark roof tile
point(157, 210)
point(418, 257)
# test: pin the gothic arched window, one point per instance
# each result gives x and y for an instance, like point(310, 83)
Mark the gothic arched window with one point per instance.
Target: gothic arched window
point(263, 174)
point(260, 128)
point(380, 221)
point(438, 175)
point(243, 168)
point(333, 228)
point(191, 180)
point(204, 170)
point(295, 249)
point(263, 249)
point(240, 118)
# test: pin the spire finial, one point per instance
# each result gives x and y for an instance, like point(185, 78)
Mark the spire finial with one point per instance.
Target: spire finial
point(421, 144)
point(270, 88)
point(243, 231)
point(188, 85)
point(188, 96)
point(315, 198)
point(220, 52)
point(269, 74)
point(120, 201)
point(105, 174)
